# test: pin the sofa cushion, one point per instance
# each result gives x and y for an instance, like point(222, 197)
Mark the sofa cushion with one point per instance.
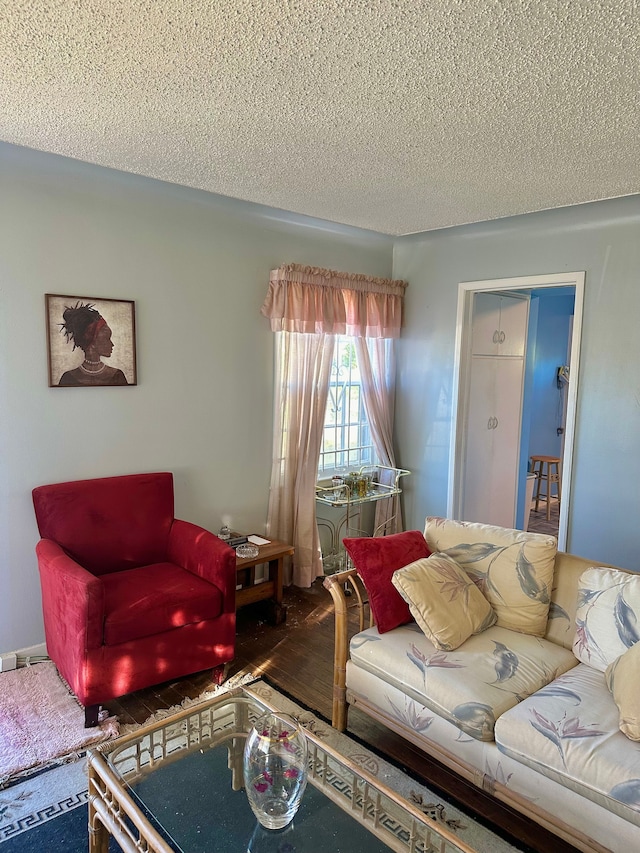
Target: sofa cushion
point(471, 686)
point(607, 616)
point(141, 602)
point(376, 559)
point(569, 732)
point(443, 600)
point(513, 569)
point(622, 680)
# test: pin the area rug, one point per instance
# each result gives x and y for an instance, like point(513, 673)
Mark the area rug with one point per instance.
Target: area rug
point(41, 722)
point(26, 824)
point(53, 788)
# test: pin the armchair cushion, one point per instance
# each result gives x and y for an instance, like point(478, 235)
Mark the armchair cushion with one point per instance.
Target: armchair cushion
point(111, 523)
point(144, 601)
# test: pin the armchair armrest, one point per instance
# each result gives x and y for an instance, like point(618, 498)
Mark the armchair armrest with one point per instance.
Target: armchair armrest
point(200, 552)
point(72, 604)
point(340, 586)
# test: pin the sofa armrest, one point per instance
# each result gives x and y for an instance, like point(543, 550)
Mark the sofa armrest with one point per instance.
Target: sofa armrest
point(341, 586)
point(72, 605)
point(200, 552)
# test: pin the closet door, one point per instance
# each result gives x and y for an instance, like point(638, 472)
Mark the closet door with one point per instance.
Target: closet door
point(493, 440)
point(499, 325)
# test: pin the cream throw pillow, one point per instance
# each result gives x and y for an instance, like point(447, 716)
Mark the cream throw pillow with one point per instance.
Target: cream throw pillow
point(443, 600)
point(607, 616)
point(622, 681)
point(513, 569)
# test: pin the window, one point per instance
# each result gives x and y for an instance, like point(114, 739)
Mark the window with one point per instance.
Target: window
point(346, 437)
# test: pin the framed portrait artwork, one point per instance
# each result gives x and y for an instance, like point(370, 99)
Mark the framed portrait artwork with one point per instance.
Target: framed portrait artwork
point(90, 342)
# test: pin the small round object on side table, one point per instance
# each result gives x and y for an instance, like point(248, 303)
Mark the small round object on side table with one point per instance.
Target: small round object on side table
point(248, 550)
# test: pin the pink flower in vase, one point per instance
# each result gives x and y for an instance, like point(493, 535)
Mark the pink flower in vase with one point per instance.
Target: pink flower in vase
point(261, 787)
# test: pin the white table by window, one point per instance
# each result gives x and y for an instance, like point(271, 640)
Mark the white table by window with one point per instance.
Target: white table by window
point(385, 485)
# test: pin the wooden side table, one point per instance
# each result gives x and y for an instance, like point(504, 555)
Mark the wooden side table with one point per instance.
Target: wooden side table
point(248, 591)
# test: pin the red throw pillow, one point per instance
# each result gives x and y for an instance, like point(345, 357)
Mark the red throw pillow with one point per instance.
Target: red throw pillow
point(376, 559)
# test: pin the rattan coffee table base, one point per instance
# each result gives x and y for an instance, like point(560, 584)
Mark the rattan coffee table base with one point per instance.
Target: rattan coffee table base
point(116, 768)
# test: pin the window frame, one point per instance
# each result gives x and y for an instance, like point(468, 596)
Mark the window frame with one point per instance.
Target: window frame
point(348, 455)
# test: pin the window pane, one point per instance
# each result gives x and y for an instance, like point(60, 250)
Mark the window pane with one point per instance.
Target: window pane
point(346, 435)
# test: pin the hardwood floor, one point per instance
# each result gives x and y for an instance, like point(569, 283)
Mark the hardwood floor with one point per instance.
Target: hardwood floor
point(297, 658)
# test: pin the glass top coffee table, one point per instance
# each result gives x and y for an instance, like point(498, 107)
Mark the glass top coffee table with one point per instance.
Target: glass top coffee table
point(176, 786)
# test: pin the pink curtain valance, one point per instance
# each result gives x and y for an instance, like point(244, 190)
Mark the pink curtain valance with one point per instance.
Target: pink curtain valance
point(313, 300)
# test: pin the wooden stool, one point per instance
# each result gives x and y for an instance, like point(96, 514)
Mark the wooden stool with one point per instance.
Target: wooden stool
point(547, 470)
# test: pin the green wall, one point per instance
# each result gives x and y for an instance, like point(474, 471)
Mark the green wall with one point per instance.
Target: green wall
point(602, 239)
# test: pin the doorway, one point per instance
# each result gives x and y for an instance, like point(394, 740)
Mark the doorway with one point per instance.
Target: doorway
point(523, 285)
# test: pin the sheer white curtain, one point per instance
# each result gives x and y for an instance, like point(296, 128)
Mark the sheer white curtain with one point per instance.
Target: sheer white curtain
point(303, 365)
point(307, 307)
point(376, 359)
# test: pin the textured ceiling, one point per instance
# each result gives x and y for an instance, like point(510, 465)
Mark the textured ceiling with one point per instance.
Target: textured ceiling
point(395, 115)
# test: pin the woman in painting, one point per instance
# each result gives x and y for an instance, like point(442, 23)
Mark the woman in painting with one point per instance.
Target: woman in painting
point(88, 330)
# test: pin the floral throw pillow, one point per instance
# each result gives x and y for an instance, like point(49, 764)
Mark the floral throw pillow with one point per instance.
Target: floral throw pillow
point(443, 600)
point(513, 569)
point(607, 616)
point(376, 559)
point(622, 681)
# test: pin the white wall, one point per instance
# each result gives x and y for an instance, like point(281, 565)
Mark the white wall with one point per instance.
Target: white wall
point(197, 267)
point(604, 240)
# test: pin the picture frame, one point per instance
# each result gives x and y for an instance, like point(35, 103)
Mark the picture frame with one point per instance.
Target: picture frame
point(91, 341)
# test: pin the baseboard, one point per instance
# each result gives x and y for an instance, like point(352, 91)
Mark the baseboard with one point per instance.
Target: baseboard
point(23, 657)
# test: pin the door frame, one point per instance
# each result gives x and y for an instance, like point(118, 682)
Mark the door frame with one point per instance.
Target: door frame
point(462, 358)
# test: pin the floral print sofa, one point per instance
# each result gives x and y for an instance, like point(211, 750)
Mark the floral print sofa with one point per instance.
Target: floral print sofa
point(535, 700)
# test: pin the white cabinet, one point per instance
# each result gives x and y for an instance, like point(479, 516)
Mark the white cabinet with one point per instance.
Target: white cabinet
point(499, 325)
point(495, 382)
point(493, 440)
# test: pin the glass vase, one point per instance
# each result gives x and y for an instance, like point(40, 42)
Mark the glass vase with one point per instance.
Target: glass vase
point(275, 769)
point(285, 840)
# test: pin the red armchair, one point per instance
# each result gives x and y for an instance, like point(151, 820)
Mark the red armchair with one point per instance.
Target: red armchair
point(131, 596)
